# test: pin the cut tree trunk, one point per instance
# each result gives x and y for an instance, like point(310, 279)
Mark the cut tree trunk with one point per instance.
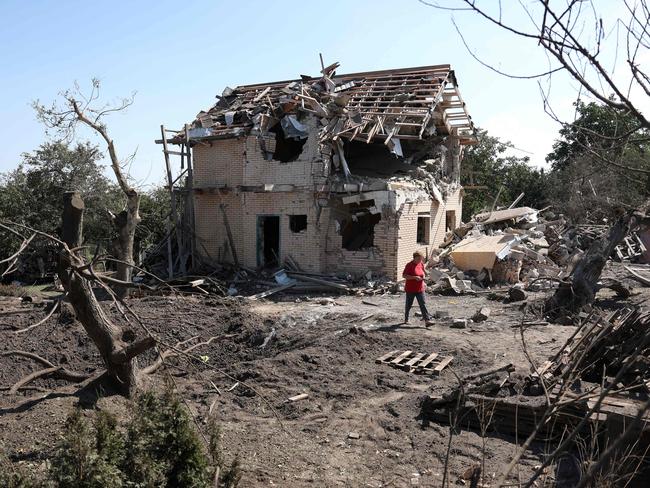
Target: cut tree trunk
point(580, 288)
point(119, 357)
point(125, 224)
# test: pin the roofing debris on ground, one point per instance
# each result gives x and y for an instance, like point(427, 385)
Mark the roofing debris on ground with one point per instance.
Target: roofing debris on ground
point(524, 248)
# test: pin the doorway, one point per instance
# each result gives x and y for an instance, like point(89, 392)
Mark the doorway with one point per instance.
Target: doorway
point(268, 241)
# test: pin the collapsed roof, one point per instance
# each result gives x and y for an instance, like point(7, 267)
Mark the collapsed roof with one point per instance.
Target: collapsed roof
point(410, 103)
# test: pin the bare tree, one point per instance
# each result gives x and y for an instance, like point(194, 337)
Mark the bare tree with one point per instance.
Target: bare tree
point(585, 41)
point(63, 117)
point(119, 355)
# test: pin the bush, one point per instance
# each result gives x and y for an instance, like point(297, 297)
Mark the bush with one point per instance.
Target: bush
point(158, 447)
point(162, 446)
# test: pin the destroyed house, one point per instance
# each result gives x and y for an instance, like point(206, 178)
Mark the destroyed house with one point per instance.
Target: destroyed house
point(336, 173)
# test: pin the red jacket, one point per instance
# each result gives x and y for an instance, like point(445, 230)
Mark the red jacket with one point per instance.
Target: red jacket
point(413, 269)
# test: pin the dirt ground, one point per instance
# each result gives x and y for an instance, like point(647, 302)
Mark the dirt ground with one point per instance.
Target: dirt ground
point(360, 424)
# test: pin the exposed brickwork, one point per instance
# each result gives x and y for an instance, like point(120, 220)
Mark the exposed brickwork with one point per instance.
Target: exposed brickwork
point(219, 163)
point(303, 173)
point(237, 163)
point(243, 210)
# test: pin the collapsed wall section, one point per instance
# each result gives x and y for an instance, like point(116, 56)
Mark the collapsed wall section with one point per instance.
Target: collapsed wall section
point(360, 238)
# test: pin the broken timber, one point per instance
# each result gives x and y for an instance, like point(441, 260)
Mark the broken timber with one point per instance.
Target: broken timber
point(331, 284)
point(272, 291)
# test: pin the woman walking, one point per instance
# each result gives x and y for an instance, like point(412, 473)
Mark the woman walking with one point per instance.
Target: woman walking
point(414, 287)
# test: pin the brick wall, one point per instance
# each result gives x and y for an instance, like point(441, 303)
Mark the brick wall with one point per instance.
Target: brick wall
point(219, 163)
point(212, 239)
point(408, 222)
point(240, 162)
point(407, 232)
point(242, 210)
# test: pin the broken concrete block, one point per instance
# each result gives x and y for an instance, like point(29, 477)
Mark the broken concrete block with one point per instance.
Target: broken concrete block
point(441, 314)
point(458, 324)
point(516, 294)
point(482, 315)
point(353, 435)
point(437, 275)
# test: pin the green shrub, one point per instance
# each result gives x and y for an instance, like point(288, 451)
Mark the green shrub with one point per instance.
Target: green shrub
point(78, 463)
point(158, 447)
point(162, 446)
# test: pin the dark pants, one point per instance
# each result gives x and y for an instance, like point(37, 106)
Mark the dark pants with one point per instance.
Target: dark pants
point(409, 303)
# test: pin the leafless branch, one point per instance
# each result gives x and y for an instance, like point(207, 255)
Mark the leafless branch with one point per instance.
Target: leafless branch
point(574, 37)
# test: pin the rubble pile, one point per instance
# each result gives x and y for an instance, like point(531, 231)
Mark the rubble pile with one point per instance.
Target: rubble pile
point(517, 246)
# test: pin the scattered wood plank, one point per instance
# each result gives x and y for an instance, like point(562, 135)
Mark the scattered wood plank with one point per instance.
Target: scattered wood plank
point(401, 357)
point(411, 362)
point(270, 292)
point(319, 281)
point(442, 365)
point(387, 356)
point(428, 360)
point(297, 398)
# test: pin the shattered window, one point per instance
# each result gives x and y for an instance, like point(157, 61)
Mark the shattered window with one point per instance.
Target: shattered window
point(297, 223)
point(359, 232)
point(424, 226)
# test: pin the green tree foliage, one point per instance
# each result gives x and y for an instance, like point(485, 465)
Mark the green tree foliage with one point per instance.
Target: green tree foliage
point(157, 448)
point(595, 163)
point(490, 166)
point(598, 130)
point(32, 193)
point(155, 207)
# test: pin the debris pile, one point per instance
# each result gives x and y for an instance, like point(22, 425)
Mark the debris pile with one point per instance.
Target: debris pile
point(262, 284)
point(605, 348)
point(517, 246)
point(601, 374)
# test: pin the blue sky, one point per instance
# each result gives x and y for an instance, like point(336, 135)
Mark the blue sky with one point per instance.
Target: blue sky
point(178, 55)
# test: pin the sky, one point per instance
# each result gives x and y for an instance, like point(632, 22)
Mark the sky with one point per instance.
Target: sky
point(177, 56)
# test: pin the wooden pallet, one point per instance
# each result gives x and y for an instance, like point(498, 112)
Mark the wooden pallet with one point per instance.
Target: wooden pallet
point(413, 362)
